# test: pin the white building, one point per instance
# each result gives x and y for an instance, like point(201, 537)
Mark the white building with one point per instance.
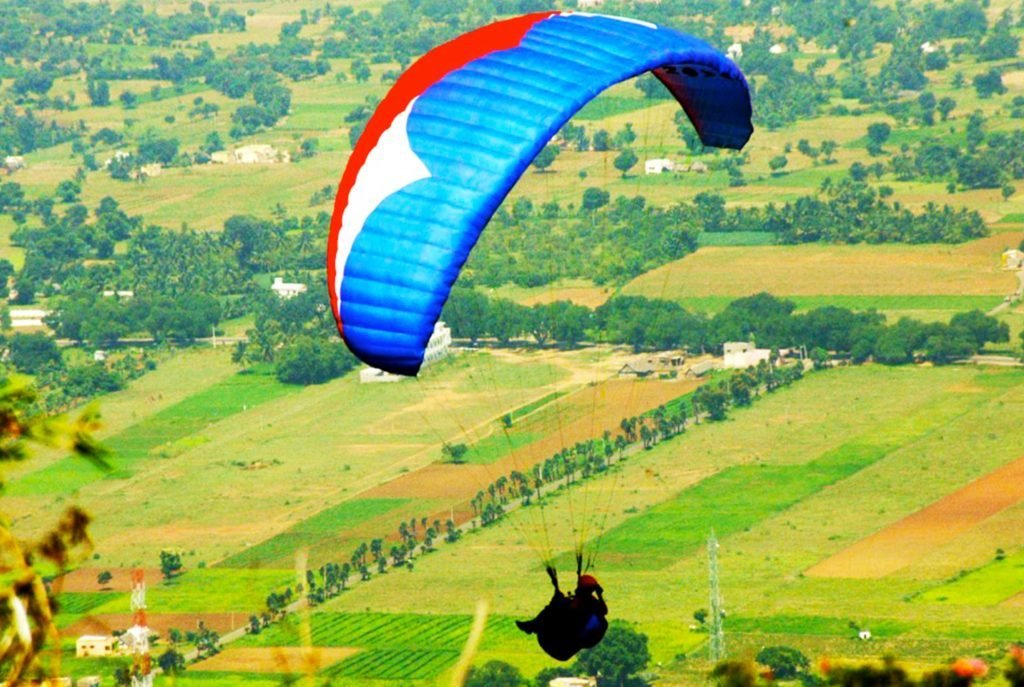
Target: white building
point(734, 51)
point(438, 347)
point(740, 355)
point(928, 47)
point(27, 317)
point(1013, 259)
point(13, 162)
point(588, 4)
point(259, 154)
point(123, 294)
point(658, 166)
point(698, 167)
point(95, 645)
point(777, 49)
point(286, 289)
point(573, 682)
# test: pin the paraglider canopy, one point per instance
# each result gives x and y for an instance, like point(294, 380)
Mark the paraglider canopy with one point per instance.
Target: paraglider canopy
point(454, 134)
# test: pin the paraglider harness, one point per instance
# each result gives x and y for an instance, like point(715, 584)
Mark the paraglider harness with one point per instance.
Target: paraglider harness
point(570, 622)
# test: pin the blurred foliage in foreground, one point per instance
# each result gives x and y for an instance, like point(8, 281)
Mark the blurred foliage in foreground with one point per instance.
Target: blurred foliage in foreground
point(26, 599)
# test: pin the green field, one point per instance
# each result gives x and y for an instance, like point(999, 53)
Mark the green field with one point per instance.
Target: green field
point(315, 530)
point(161, 436)
point(989, 585)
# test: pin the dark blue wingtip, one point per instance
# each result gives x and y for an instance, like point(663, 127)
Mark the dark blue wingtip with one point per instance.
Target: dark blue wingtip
point(397, 363)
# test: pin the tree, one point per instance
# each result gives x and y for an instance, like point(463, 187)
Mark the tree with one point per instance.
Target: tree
point(594, 198)
point(494, 674)
point(104, 577)
point(621, 654)
point(701, 615)
point(31, 353)
point(980, 328)
point(170, 563)
point(171, 662)
point(828, 147)
point(625, 161)
point(360, 71)
point(546, 157)
point(454, 453)
point(945, 106)
point(99, 92)
point(878, 134)
point(313, 360)
point(990, 83)
point(777, 163)
point(785, 662)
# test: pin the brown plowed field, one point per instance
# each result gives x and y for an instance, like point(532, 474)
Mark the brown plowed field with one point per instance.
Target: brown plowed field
point(582, 416)
point(157, 622)
point(84, 580)
point(272, 659)
point(908, 540)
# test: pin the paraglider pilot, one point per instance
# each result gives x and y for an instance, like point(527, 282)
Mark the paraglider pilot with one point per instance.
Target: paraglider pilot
point(570, 622)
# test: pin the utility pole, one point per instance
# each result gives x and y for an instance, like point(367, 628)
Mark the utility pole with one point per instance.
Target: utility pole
point(716, 644)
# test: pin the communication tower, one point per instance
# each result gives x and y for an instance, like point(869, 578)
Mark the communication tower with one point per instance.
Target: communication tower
point(716, 645)
point(136, 638)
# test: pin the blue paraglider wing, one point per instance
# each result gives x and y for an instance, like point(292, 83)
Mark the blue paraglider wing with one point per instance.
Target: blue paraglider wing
point(455, 133)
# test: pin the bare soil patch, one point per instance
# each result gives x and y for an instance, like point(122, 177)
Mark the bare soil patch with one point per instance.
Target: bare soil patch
point(910, 539)
point(84, 580)
point(274, 659)
point(159, 623)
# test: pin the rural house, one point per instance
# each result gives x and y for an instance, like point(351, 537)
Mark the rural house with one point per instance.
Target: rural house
point(95, 645)
point(573, 682)
point(13, 162)
point(740, 355)
point(639, 370)
point(658, 166)
point(1013, 259)
point(22, 318)
point(734, 51)
point(286, 289)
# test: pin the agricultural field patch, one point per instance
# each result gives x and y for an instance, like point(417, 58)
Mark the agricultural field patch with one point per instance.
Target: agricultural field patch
point(278, 659)
point(817, 625)
point(158, 436)
point(327, 524)
point(735, 238)
point(578, 417)
point(994, 583)
point(905, 541)
point(160, 623)
point(373, 630)
point(657, 537)
point(394, 664)
point(80, 603)
point(813, 270)
point(210, 590)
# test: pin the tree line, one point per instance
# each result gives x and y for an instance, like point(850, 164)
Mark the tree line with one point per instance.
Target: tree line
point(656, 324)
point(611, 242)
